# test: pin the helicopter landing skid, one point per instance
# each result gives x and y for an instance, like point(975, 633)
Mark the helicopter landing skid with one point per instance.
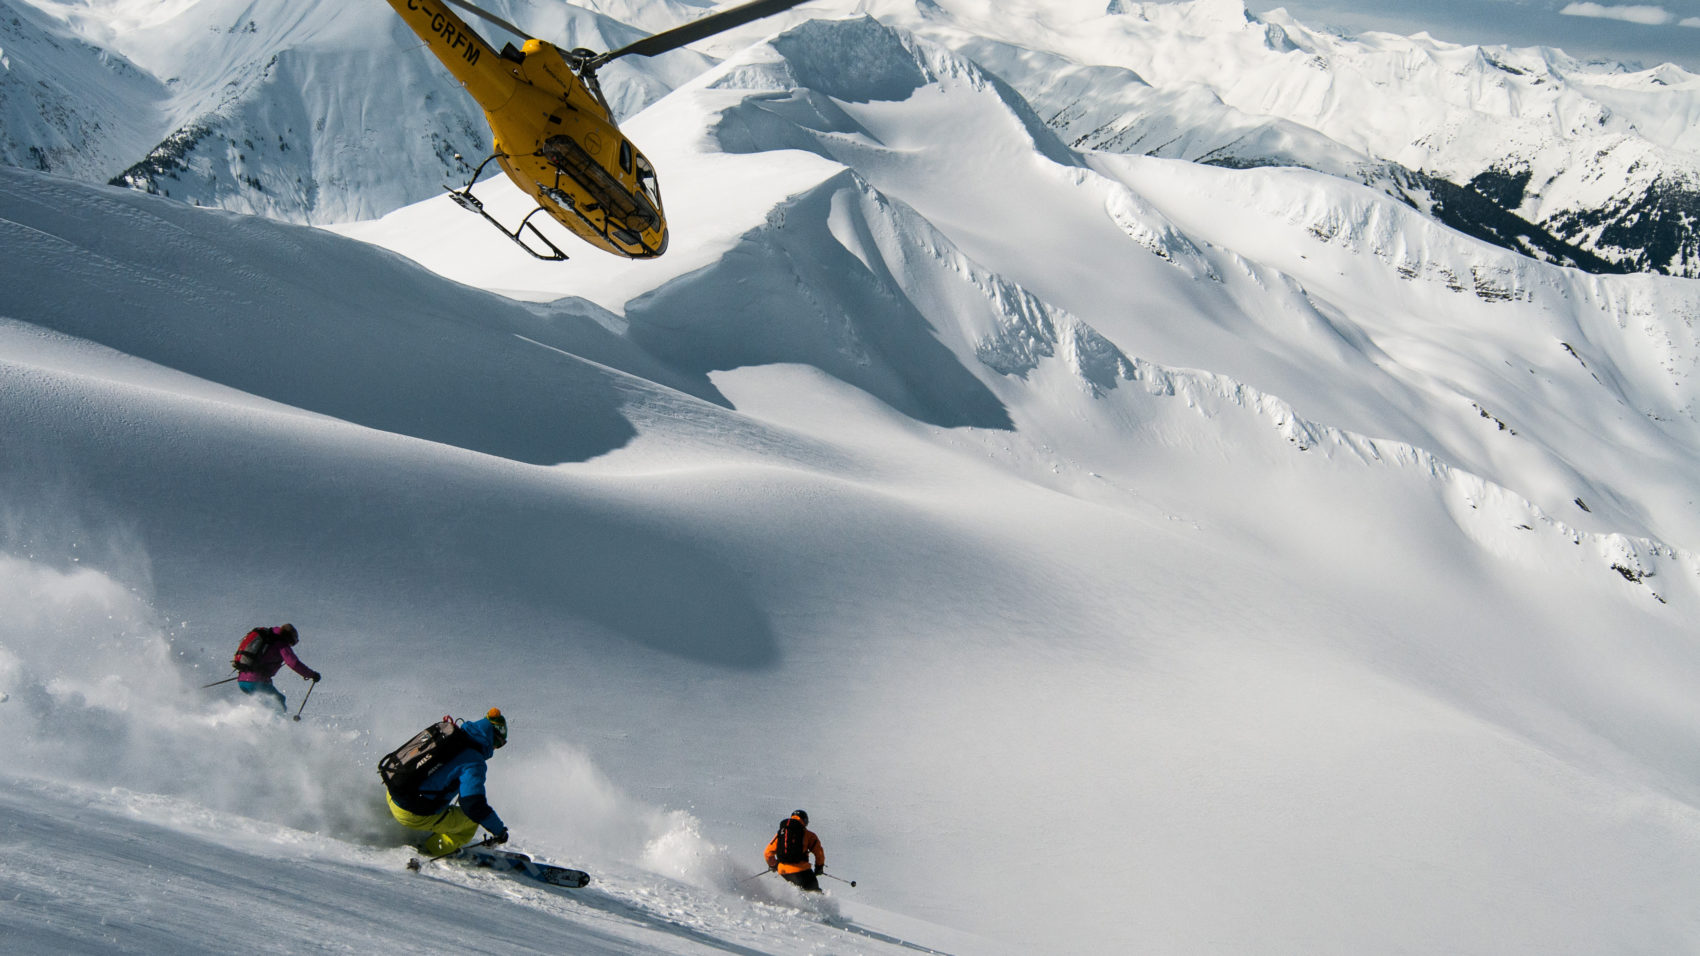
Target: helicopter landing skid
point(464, 198)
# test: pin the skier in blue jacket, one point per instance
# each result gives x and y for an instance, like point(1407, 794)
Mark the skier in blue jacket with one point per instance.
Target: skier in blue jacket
point(430, 806)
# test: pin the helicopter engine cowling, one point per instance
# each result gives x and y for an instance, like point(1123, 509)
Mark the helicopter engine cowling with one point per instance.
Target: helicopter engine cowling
point(559, 145)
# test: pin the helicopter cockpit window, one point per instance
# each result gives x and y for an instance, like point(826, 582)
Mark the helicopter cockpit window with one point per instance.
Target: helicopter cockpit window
point(646, 181)
point(625, 155)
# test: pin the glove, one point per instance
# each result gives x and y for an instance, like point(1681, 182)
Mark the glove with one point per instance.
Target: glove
point(316, 677)
point(773, 868)
point(820, 868)
point(501, 836)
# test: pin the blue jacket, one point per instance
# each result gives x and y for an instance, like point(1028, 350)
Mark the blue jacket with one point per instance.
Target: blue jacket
point(461, 778)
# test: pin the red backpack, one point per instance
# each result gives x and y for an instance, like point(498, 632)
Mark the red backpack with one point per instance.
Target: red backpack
point(252, 649)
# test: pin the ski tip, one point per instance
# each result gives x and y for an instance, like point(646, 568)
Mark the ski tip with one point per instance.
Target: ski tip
point(413, 864)
point(563, 876)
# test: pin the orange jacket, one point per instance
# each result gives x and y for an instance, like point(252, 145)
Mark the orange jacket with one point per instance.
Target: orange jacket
point(811, 844)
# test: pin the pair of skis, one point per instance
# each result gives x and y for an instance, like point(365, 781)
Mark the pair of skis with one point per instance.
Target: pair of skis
point(508, 861)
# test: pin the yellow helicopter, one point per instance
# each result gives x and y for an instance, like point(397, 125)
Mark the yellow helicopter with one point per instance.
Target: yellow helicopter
point(554, 133)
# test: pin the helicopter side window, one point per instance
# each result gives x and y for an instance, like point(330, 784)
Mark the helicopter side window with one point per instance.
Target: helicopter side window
point(626, 155)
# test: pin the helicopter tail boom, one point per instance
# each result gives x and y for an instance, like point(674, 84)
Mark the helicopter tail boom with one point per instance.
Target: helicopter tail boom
point(476, 64)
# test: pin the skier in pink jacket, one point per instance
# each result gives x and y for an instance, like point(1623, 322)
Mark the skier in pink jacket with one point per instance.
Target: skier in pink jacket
point(263, 652)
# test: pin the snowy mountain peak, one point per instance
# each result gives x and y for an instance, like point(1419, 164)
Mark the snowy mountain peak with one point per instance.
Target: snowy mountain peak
point(861, 60)
point(1383, 108)
point(1195, 17)
point(68, 106)
point(857, 60)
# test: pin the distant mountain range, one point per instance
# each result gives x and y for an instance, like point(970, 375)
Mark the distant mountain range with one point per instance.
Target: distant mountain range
point(327, 112)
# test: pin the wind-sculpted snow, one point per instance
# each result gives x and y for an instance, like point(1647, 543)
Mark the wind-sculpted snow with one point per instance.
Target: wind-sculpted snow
point(1490, 514)
point(447, 368)
point(1008, 329)
point(1155, 233)
point(847, 280)
point(807, 296)
point(855, 61)
point(328, 292)
point(920, 281)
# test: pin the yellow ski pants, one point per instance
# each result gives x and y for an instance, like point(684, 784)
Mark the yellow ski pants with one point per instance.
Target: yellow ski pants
point(450, 829)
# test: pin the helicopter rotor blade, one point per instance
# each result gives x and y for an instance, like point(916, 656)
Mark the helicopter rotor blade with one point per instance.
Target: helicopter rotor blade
point(698, 29)
point(484, 14)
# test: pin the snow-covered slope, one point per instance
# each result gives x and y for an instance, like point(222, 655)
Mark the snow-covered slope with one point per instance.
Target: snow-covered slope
point(869, 507)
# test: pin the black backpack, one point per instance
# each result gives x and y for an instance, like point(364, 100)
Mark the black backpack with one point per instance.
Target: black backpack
point(406, 767)
point(789, 847)
point(253, 647)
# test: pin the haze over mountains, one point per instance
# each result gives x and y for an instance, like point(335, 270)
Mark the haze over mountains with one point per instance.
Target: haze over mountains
point(1149, 480)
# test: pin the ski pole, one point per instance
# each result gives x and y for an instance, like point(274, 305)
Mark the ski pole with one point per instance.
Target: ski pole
point(218, 682)
point(749, 878)
point(304, 697)
point(469, 846)
point(838, 878)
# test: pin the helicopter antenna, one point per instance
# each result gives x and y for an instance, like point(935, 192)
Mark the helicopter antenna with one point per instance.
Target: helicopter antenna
point(482, 13)
point(695, 30)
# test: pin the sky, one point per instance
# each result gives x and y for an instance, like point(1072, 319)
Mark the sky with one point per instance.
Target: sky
point(1634, 33)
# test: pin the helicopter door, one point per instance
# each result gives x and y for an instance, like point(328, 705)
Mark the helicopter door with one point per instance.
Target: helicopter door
point(624, 214)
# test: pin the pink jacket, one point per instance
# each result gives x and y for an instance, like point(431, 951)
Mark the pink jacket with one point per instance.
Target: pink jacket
point(277, 654)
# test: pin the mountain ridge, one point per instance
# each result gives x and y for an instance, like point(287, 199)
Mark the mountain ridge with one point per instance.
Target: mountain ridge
point(1284, 95)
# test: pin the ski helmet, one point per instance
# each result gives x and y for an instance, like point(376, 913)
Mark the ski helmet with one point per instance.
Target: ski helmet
point(289, 633)
point(499, 724)
point(802, 815)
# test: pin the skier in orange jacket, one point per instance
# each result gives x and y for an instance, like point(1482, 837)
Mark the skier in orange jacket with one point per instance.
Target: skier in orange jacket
point(789, 851)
